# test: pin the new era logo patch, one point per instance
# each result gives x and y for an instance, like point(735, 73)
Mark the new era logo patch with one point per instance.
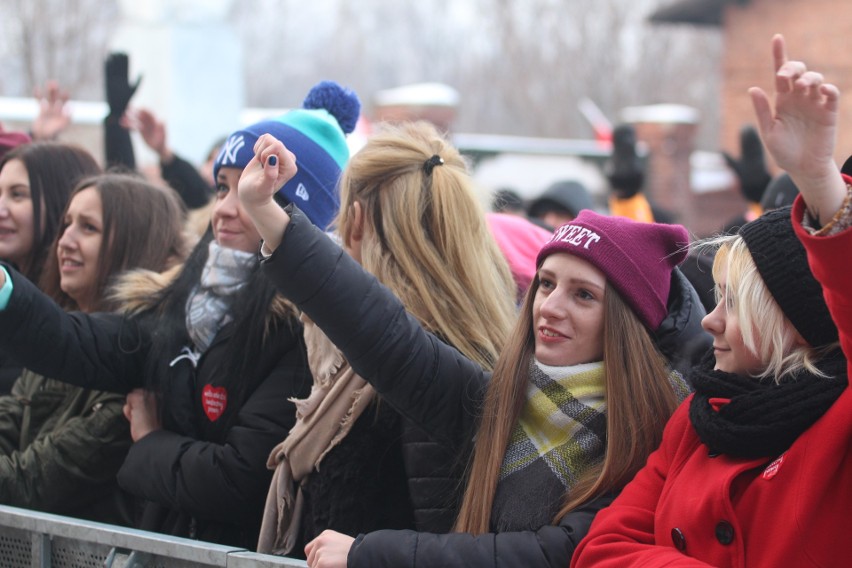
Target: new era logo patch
point(302, 192)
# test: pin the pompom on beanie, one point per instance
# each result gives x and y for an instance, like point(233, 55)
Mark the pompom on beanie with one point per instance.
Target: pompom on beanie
point(316, 134)
point(636, 258)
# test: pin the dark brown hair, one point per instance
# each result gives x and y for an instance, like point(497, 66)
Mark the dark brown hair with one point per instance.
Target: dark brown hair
point(54, 169)
point(142, 228)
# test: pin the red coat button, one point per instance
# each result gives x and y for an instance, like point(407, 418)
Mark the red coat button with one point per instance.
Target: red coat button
point(678, 539)
point(724, 532)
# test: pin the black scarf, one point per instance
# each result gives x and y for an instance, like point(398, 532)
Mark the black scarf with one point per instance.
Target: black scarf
point(763, 419)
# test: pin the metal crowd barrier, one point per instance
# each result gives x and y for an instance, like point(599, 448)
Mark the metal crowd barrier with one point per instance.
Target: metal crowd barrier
point(30, 539)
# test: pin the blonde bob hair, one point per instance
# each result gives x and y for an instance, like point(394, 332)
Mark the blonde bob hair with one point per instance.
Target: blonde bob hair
point(424, 235)
point(766, 331)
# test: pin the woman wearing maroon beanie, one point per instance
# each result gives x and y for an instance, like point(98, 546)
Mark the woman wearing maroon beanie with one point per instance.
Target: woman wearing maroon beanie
point(577, 400)
point(755, 469)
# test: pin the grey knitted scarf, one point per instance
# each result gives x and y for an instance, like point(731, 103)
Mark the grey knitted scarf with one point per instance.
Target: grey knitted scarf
point(225, 272)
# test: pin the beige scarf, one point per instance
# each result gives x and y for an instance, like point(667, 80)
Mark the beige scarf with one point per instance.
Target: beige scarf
point(337, 399)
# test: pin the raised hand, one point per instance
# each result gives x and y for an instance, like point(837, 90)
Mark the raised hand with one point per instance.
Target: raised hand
point(53, 114)
point(800, 129)
point(152, 130)
point(273, 165)
point(119, 89)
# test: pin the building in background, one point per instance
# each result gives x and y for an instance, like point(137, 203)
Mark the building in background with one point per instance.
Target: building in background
point(816, 31)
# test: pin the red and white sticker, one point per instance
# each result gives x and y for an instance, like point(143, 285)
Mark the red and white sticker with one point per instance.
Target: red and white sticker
point(772, 469)
point(214, 400)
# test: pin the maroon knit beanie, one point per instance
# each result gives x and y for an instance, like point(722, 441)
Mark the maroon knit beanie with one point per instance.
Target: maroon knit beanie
point(637, 258)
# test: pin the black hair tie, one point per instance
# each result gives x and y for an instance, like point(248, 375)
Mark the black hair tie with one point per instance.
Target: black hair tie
point(430, 164)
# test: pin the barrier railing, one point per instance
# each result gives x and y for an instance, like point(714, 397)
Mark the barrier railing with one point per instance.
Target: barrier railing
point(30, 539)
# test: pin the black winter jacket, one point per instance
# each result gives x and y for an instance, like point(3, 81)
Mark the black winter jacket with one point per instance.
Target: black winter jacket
point(387, 473)
point(361, 484)
point(435, 477)
point(680, 337)
point(201, 480)
point(427, 381)
point(10, 370)
point(548, 546)
point(182, 176)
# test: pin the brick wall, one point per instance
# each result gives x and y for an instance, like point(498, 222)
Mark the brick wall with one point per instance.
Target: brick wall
point(667, 181)
point(818, 32)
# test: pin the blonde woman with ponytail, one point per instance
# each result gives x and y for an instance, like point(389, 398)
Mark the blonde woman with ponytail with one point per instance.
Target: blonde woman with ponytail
point(353, 464)
point(428, 240)
point(578, 397)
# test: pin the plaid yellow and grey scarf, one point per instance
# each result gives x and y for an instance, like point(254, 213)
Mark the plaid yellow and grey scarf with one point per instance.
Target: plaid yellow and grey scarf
point(561, 432)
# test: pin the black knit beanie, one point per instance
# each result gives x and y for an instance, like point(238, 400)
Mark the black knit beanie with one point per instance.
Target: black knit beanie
point(783, 264)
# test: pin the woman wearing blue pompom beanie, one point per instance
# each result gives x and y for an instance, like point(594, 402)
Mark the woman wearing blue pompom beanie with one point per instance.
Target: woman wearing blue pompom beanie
point(209, 354)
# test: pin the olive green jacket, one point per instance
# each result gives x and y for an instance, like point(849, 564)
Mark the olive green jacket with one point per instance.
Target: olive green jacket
point(60, 449)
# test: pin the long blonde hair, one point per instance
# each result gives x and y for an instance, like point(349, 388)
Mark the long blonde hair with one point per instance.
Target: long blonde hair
point(426, 238)
point(639, 401)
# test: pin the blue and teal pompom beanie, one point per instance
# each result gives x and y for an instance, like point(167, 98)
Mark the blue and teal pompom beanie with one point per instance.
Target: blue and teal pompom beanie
point(316, 134)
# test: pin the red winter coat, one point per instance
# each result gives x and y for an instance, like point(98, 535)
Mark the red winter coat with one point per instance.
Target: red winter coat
point(685, 508)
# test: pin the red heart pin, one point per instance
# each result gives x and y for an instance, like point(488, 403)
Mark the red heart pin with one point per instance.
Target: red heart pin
point(214, 400)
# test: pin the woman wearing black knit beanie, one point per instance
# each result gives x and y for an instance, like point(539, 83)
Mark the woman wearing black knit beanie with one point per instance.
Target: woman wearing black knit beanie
point(755, 469)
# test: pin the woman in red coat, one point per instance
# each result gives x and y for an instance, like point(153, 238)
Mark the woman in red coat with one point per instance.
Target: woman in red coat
point(756, 469)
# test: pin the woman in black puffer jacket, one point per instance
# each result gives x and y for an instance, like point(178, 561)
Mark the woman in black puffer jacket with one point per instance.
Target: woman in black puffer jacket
point(210, 359)
point(353, 463)
point(555, 431)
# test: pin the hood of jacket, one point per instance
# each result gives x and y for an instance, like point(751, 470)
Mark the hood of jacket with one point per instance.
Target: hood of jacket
point(137, 290)
point(680, 337)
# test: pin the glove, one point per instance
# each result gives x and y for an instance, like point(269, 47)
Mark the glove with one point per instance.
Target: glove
point(117, 144)
point(624, 170)
point(751, 167)
point(118, 88)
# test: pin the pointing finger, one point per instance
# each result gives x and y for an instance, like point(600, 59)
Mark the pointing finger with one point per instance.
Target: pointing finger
point(779, 51)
